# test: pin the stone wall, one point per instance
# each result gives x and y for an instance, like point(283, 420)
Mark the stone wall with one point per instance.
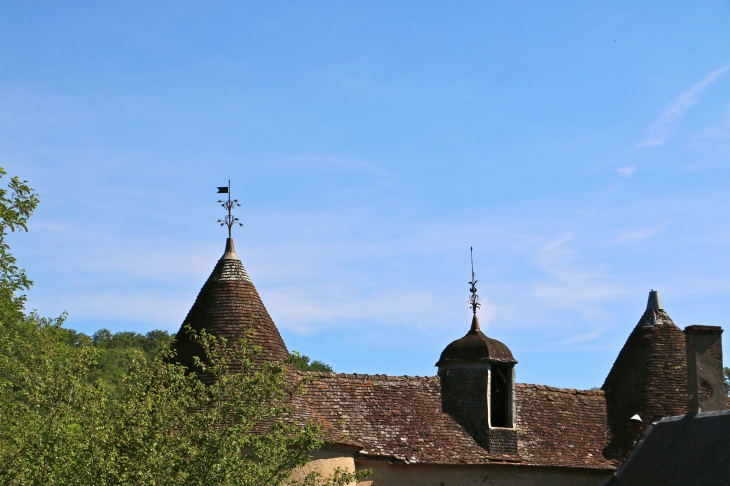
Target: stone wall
point(493, 475)
point(326, 462)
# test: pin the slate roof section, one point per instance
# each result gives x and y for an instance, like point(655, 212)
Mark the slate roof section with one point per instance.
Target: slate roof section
point(400, 418)
point(228, 301)
point(674, 451)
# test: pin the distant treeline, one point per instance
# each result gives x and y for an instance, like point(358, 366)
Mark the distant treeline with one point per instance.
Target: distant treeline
point(116, 351)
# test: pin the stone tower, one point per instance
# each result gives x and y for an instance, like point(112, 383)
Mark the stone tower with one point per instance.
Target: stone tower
point(478, 389)
point(228, 302)
point(649, 377)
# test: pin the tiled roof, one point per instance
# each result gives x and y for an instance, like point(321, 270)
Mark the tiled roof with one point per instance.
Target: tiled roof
point(228, 301)
point(562, 426)
point(400, 418)
point(688, 449)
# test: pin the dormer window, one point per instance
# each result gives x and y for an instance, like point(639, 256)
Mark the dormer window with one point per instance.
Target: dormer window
point(500, 397)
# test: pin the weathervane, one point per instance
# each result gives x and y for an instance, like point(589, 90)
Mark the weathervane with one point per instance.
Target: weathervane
point(229, 220)
point(473, 298)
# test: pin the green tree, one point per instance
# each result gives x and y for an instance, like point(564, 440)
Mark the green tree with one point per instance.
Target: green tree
point(169, 426)
point(116, 353)
point(51, 417)
point(216, 427)
point(17, 203)
point(145, 420)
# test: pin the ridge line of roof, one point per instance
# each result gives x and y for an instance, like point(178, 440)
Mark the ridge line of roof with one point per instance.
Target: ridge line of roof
point(379, 377)
point(571, 391)
point(363, 376)
point(691, 416)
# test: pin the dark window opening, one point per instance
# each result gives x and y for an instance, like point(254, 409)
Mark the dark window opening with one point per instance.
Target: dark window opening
point(499, 396)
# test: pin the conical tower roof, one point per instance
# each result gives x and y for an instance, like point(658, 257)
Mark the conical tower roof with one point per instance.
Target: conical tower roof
point(227, 302)
point(649, 377)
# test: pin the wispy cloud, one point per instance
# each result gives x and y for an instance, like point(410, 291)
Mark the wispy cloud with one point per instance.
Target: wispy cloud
point(163, 309)
point(626, 172)
point(116, 256)
point(558, 242)
point(635, 235)
point(584, 337)
point(569, 285)
point(663, 127)
point(306, 312)
point(715, 136)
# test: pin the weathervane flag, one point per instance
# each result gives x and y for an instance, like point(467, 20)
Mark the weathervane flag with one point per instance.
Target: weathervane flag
point(229, 220)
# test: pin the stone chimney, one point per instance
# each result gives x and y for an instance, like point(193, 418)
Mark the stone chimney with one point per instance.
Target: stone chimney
point(705, 381)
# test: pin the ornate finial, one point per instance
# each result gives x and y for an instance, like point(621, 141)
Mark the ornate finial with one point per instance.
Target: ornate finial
point(473, 298)
point(229, 220)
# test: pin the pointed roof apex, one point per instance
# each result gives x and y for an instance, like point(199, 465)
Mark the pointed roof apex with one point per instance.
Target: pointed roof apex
point(655, 301)
point(655, 314)
point(230, 253)
point(474, 324)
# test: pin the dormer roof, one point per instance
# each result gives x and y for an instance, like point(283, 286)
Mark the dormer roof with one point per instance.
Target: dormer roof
point(476, 347)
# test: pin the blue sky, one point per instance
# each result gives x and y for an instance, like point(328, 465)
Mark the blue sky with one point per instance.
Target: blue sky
point(581, 149)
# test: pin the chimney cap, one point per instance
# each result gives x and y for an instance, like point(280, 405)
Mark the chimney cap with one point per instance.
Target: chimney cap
point(655, 301)
point(702, 328)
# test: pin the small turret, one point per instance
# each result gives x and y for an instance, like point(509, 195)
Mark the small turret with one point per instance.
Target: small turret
point(478, 386)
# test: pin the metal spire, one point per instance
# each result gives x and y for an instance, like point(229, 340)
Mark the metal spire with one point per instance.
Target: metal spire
point(229, 220)
point(473, 298)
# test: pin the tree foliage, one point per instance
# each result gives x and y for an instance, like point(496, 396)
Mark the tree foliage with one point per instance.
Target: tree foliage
point(168, 426)
point(302, 363)
point(116, 409)
point(17, 203)
point(117, 352)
